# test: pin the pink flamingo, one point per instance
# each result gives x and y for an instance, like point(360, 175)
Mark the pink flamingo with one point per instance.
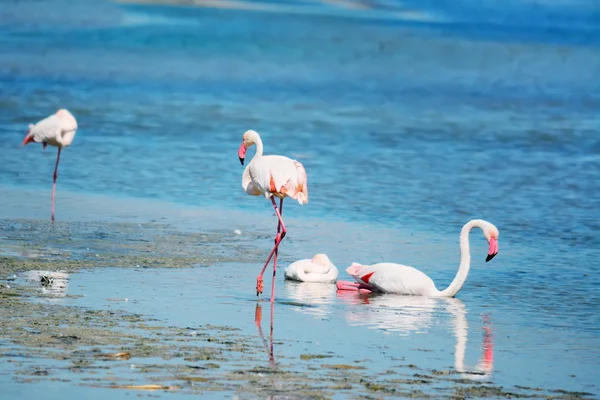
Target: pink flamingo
point(272, 176)
point(402, 279)
point(56, 130)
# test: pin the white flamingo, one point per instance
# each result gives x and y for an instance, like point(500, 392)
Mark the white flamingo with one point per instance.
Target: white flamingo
point(317, 269)
point(56, 130)
point(405, 280)
point(272, 176)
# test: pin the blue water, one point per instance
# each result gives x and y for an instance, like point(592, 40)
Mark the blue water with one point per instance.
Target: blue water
point(416, 116)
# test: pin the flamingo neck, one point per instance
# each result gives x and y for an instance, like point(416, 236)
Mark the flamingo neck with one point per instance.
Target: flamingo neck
point(465, 261)
point(259, 147)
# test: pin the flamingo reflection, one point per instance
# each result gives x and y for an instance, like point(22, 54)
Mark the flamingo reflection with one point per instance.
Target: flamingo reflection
point(317, 296)
point(407, 315)
point(258, 321)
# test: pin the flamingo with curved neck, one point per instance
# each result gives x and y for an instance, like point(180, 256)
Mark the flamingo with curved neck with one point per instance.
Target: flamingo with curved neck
point(317, 269)
point(272, 176)
point(402, 279)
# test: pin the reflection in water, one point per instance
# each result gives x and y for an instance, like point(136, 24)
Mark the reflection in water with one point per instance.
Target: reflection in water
point(318, 295)
point(415, 314)
point(484, 368)
point(51, 283)
point(391, 313)
point(258, 322)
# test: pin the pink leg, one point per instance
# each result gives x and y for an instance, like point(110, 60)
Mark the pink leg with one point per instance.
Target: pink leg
point(279, 224)
point(281, 231)
point(353, 286)
point(54, 184)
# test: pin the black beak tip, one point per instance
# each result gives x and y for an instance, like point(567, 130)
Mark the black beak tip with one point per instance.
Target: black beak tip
point(490, 256)
point(241, 160)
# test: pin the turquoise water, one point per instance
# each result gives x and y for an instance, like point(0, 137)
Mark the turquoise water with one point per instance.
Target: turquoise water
point(409, 118)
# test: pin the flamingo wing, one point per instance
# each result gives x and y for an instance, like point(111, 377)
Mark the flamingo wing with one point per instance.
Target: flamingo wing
point(278, 176)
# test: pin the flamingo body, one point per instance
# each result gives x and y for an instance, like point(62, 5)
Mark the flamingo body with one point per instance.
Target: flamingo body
point(393, 278)
point(56, 130)
point(277, 176)
point(317, 269)
point(405, 280)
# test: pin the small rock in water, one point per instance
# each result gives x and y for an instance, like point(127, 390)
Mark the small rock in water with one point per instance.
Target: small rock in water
point(46, 280)
point(237, 232)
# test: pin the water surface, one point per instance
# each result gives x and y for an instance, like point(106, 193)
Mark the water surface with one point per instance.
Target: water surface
point(410, 120)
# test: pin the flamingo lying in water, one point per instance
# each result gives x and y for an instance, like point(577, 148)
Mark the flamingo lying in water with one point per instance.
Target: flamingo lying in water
point(56, 130)
point(317, 269)
point(402, 279)
point(272, 176)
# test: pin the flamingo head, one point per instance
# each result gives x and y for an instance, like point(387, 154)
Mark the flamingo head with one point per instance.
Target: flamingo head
point(321, 259)
point(248, 140)
point(491, 234)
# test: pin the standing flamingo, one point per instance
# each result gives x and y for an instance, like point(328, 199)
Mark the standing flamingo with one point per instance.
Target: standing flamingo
point(271, 176)
point(56, 130)
point(401, 279)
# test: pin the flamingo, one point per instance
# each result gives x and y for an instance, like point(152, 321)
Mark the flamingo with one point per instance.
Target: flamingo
point(272, 176)
point(56, 130)
point(405, 280)
point(317, 269)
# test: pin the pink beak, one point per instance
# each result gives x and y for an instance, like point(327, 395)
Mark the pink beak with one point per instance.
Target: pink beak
point(493, 249)
point(242, 153)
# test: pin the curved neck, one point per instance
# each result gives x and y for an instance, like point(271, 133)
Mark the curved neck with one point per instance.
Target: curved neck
point(259, 147)
point(465, 261)
point(314, 273)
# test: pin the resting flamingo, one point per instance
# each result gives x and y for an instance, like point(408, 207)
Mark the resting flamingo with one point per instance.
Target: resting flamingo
point(317, 269)
point(272, 176)
point(56, 130)
point(402, 279)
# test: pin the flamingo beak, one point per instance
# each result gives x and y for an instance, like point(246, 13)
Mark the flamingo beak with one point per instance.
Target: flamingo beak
point(242, 153)
point(493, 249)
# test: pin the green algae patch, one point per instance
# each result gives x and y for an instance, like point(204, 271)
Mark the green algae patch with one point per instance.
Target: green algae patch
point(314, 356)
point(342, 366)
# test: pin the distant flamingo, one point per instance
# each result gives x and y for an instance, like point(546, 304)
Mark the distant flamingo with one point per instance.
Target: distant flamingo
point(56, 130)
point(401, 279)
point(272, 176)
point(317, 269)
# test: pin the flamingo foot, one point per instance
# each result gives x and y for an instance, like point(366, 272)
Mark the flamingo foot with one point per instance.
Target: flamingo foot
point(259, 285)
point(353, 286)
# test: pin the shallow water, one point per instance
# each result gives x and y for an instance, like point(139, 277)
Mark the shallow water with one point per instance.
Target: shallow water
point(409, 119)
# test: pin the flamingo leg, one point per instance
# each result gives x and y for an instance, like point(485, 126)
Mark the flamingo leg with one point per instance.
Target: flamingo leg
point(281, 231)
point(353, 286)
point(279, 224)
point(54, 184)
point(271, 352)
